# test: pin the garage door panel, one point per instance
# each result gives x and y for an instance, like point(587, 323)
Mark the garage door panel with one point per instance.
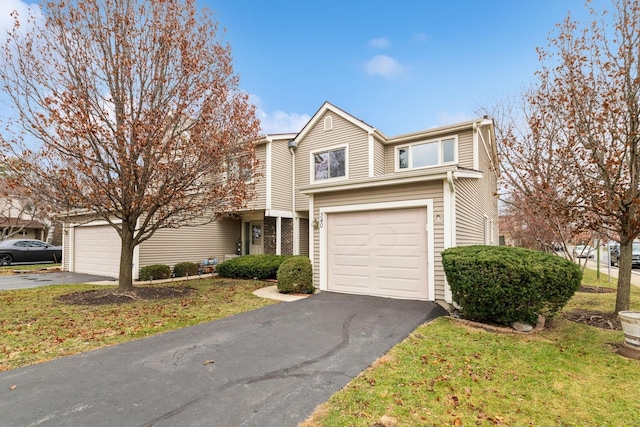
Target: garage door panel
point(409, 263)
point(352, 240)
point(384, 255)
point(97, 250)
point(352, 282)
point(352, 261)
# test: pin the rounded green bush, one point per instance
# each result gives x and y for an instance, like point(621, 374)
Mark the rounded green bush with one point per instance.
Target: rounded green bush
point(296, 275)
point(155, 272)
point(504, 285)
point(259, 267)
point(183, 269)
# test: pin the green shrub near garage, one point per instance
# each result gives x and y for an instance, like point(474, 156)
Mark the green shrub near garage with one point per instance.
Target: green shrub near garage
point(259, 267)
point(183, 269)
point(296, 275)
point(155, 272)
point(504, 284)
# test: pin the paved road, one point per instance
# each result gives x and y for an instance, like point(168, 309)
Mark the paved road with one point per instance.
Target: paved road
point(33, 280)
point(267, 367)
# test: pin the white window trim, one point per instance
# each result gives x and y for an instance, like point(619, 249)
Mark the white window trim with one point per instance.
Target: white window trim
point(429, 141)
point(312, 164)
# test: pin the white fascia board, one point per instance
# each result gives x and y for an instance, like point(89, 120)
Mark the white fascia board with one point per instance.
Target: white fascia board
point(468, 174)
point(430, 133)
point(378, 181)
point(268, 177)
point(278, 214)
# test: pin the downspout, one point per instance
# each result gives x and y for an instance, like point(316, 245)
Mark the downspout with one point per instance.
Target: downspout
point(450, 226)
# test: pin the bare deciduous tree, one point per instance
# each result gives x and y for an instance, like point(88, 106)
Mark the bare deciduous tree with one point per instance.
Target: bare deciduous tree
point(579, 158)
point(130, 110)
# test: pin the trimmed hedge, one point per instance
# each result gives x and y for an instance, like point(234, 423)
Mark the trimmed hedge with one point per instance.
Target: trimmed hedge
point(155, 272)
point(183, 269)
point(296, 275)
point(504, 285)
point(259, 267)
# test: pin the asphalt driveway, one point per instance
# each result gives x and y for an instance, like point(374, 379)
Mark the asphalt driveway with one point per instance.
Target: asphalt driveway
point(33, 280)
point(267, 367)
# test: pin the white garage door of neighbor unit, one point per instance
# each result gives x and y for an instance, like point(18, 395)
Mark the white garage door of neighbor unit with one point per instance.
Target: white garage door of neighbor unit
point(382, 253)
point(97, 250)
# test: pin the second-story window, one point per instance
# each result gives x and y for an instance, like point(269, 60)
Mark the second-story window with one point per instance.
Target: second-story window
point(330, 164)
point(426, 154)
point(239, 168)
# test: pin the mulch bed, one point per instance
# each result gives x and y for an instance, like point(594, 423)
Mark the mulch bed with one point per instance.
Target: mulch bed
point(110, 296)
point(598, 319)
point(596, 290)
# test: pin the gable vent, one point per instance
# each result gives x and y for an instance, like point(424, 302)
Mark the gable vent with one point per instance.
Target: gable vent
point(328, 123)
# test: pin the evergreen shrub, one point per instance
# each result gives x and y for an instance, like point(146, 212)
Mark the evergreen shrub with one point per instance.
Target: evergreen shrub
point(259, 267)
point(183, 269)
point(155, 272)
point(296, 275)
point(504, 284)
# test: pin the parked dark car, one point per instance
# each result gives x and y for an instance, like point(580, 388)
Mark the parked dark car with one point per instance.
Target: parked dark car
point(28, 250)
point(635, 255)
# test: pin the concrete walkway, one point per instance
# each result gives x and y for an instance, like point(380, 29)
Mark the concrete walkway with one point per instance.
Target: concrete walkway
point(267, 367)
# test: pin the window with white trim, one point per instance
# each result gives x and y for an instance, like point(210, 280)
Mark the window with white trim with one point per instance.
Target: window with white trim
point(239, 168)
point(427, 154)
point(329, 164)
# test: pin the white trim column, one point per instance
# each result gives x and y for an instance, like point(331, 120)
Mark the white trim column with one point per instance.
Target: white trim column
point(278, 235)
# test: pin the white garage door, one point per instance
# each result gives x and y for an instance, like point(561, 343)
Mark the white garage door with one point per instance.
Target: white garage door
point(97, 250)
point(382, 253)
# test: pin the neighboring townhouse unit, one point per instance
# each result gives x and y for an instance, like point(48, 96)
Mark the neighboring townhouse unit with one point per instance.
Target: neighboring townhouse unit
point(19, 216)
point(372, 212)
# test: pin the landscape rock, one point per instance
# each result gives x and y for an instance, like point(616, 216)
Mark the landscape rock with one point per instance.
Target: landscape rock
point(522, 327)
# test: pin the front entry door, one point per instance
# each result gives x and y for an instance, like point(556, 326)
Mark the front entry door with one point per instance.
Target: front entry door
point(256, 230)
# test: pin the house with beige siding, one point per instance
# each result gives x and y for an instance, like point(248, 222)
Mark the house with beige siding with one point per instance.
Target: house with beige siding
point(372, 212)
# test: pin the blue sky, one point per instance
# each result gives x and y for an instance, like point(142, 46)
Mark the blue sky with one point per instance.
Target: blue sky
point(401, 66)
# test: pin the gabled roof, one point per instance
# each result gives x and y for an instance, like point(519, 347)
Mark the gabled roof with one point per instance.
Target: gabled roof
point(270, 137)
point(327, 106)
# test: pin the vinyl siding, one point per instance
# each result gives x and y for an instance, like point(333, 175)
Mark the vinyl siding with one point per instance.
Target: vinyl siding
point(469, 213)
point(378, 157)
point(260, 198)
point(171, 246)
point(430, 190)
point(304, 236)
point(66, 247)
point(465, 149)
point(281, 178)
point(476, 198)
point(342, 133)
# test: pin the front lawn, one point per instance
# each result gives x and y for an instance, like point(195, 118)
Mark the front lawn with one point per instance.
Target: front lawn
point(445, 373)
point(36, 326)
point(448, 374)
point(27, 268)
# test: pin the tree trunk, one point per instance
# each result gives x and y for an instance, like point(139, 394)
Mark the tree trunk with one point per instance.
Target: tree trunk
point(623, 295)
point(125, 278)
